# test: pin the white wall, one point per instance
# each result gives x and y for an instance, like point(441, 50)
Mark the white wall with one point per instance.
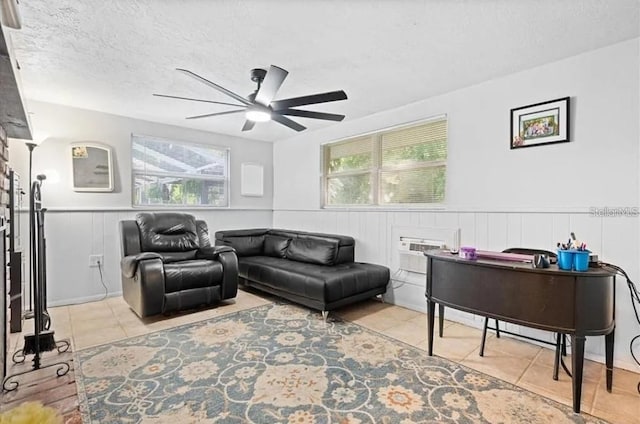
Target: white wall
point(80, 224)
point(500, 197)
point(66, 125)
point(599, 167)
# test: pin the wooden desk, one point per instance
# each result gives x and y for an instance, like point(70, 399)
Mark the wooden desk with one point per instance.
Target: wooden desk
point(576, 303)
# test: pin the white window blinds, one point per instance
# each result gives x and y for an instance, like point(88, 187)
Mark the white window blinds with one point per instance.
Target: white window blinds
point(400, 166)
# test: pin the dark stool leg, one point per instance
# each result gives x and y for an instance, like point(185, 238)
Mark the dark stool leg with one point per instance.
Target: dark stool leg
point(497, 328)
point(564, 345)
point(440, 319)
point(484, 335)
point(556, 362)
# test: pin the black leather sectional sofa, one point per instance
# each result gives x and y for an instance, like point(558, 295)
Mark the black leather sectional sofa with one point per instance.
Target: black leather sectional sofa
point(313, 269)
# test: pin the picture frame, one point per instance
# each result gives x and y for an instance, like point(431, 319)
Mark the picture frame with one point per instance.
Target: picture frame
point(91, 167)
point(541, 123)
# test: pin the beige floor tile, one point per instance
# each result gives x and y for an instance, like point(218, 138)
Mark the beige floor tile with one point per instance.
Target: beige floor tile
point(402, 314)
point(362, 309)
point(538, 379)
point(591, 370)
point(133, 330)
point(407, 332)
point(116, 301)
point(376, 322)
point(108, 335)
point(461, 331)
point(511, 346)
point(625, 406)
point(88, 307)
point(420, 321)
point(98, 311)
point(82, 327)
point(624, 380)
point(59, 314)
point(127, 316)
point(622, 403)
point(502, 365)
point(615, 417)
point(455, 349)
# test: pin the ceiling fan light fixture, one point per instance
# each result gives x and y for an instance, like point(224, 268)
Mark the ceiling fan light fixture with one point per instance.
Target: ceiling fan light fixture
point(258, 115)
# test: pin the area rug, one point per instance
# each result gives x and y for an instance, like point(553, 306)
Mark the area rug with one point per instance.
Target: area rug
point(283, 364)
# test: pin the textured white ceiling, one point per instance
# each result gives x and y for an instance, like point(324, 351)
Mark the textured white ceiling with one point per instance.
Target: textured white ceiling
point(111, 56)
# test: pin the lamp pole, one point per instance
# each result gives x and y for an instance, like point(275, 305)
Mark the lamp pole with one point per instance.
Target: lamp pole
point(30, 146)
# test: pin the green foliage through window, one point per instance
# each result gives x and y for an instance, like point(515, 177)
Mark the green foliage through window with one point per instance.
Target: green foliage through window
point(171, 173)
point(400, 166)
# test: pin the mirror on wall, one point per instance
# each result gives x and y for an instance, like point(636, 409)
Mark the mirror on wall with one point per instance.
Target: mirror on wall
point(92, 167)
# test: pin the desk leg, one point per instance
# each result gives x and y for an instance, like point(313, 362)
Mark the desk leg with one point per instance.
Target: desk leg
point(431, 315)
point(440, 320)
point(609, 358)
point(577, 362)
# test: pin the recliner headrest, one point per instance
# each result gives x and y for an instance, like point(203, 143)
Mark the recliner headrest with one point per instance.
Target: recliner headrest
point(167, 232)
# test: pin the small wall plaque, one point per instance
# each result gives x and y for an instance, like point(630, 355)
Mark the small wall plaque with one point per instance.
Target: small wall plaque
point(251, 177)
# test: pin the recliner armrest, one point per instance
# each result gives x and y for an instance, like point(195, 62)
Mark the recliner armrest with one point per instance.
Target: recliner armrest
point(129, 264)
point(212, 252)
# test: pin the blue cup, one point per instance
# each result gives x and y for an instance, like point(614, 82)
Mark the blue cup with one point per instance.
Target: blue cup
point(581, 260)
point(565, 259)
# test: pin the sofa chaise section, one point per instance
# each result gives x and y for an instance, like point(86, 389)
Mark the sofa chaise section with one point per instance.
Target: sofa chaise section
point(314, 269)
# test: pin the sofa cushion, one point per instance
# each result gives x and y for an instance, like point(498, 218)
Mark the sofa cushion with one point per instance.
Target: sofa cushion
point(246, 245)
point(323, 283)
point(276, 246)
point(313, 251)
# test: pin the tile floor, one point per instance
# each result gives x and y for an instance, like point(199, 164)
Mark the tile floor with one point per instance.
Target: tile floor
point(521, 363)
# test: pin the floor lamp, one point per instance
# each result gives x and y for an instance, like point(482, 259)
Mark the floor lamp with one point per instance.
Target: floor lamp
point(30, 145)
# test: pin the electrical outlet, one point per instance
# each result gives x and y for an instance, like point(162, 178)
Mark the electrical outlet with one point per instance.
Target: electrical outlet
point(94, 259)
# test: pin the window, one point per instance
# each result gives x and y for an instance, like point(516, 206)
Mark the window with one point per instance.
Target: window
point(175, 173)
point(399, 166)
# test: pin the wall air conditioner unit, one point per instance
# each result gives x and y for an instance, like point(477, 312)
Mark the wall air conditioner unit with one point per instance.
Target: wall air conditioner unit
point(416, 246)
point(411, 253)
point(10, 14)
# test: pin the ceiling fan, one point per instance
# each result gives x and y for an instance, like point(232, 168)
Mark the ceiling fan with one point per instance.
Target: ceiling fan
point(260, 105)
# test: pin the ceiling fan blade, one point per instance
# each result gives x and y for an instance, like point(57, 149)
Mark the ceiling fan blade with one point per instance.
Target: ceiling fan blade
point(311, 114)
point(287, 122)
point(331, 96)
point(248, 125)
point(229, 112)
point(197, 100)
point(216, 86)
point(271, 84)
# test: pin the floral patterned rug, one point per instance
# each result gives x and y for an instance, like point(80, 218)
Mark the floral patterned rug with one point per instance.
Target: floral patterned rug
point(282, 364)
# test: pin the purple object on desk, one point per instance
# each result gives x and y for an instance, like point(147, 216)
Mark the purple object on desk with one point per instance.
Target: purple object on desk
point(467, 252)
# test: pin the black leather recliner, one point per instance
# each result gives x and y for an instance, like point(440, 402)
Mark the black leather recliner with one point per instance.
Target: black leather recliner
point(169, 264)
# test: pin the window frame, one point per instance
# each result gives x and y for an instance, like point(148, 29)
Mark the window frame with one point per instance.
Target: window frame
point(226, 178)
point(376, 170)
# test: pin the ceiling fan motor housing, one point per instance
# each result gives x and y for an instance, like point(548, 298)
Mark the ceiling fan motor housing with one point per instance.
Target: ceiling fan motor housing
point(258, 74)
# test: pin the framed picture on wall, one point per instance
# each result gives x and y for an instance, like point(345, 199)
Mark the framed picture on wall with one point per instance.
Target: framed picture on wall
point(540, 123)
point(92, 167)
